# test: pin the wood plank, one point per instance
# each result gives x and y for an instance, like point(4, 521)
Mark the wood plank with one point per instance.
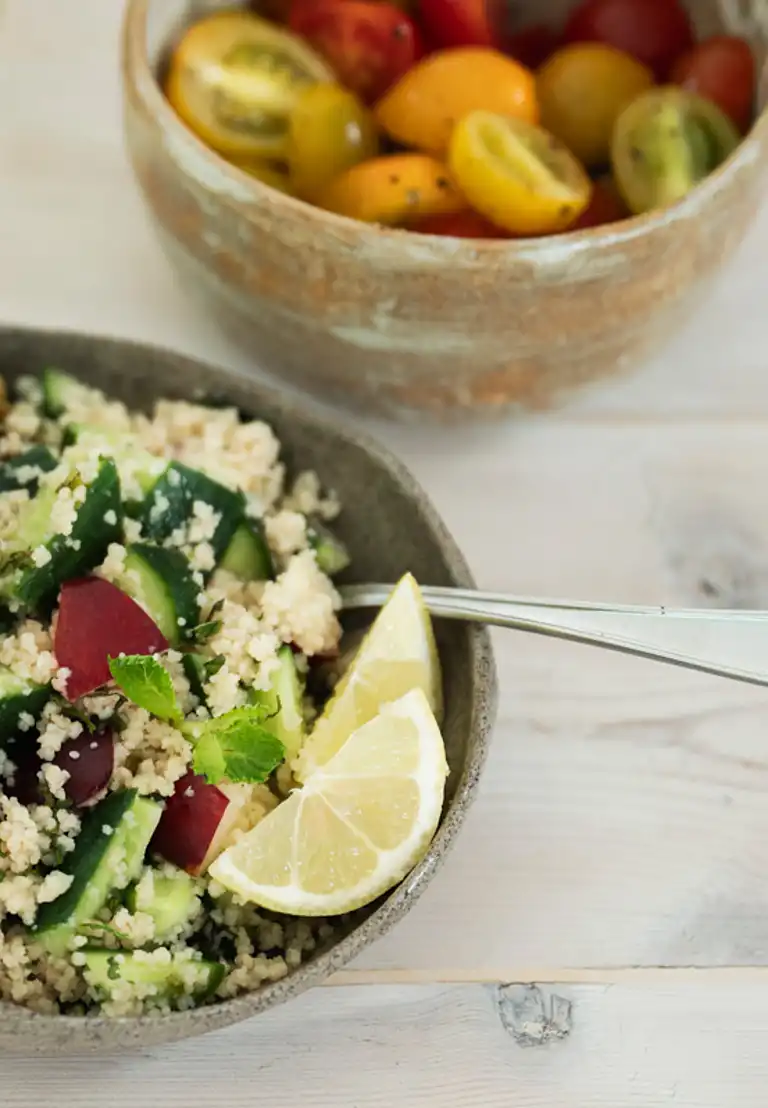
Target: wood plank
point(553, 1047)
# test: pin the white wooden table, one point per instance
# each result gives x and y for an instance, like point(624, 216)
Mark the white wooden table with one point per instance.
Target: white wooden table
point(600, 934)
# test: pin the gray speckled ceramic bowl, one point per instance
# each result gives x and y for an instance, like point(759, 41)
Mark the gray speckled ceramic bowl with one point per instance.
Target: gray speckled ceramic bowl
point(390, 527)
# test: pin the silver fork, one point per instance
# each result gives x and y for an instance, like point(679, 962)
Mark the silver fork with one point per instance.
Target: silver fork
point(726, 643)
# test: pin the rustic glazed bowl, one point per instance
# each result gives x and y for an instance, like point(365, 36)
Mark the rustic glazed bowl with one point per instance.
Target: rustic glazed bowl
point(399, 530)
point(404, 324)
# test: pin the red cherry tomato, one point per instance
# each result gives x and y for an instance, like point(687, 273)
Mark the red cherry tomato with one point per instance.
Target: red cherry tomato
point(533, 45)
point(461, 225)
point(369, 44)
point(655, 32)
point(449, 23)
point(721, 69)
point(606, 206)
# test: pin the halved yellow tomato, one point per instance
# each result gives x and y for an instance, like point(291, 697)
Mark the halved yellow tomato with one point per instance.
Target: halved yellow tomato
point(517, 175)
point(235, 79)
point(665, 143)
point(330, 131)
point(424, 106)
point(393, 190)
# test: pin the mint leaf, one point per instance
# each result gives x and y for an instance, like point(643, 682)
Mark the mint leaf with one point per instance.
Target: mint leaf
point(147, 684)
point(205, 631)
point(235, 746)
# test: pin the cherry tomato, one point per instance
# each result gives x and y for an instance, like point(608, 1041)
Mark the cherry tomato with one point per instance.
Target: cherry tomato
point(517, 175)
point(722, 69)
point(532, 46)
point(582, 90)
point(393, 190)
point(263, 171)
point(331, 130)
point(656, 32)
point(462, 225)
point(370, 44)
point(422, 109)
point(234, 79)
point(457, 23)
point(606, 206)
point(665, 143)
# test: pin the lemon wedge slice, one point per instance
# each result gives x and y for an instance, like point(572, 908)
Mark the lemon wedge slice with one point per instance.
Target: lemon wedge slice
point(358, 826)
point(398, 654)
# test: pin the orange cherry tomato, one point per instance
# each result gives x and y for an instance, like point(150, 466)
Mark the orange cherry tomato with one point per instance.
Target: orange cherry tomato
point(425, 105)
point(721, 69)
point(393, 190)
point(369, 44)
point(234, 79)
point(582, 91)
point(462, 225)
point(517, 175)
point(331, 130)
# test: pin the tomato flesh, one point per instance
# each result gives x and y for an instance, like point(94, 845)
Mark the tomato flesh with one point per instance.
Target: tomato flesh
point(96, 621)
point(665, 143)
point(368, 44)
point(516, 175)
point(656, 32)
point(606, 206)
point(234, 79)
point(722, 69)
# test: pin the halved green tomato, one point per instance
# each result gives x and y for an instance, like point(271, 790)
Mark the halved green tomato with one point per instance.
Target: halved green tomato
point(665, 143)
point(518, 176)
point(235, 79)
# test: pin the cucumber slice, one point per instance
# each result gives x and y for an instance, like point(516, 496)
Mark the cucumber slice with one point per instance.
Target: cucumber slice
point(62, 392)
point(331, 553)
point(23, 471)
point(16, 698)
point(247, 555)
point(97, 524)
point(179, 977)
point(161, 581)
point(108, 856)
point(171, 899)
point(284, 702)
point(170, 505)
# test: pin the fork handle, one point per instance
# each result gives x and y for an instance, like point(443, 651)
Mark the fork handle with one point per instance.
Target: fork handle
point(731, 644)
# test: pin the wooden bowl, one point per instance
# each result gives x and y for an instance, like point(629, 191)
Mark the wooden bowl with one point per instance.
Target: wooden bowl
point(402, 324)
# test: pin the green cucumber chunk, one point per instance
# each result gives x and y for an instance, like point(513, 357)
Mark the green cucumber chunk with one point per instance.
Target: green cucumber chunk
point(331, 553)
point(96, 525)
point(23, 471)
point(176, 977)
point(108, 856)
point(171, 899)
point(170, 505)
point(18, 697)
point(248, 556)
point(284, 703)
point(62, 392)
point(161, 581)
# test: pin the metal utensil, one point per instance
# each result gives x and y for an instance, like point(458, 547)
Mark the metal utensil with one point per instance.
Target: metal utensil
point(731, 644)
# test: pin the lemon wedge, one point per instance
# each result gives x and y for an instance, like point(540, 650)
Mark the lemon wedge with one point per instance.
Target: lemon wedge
point(357, 827)
point(398, 654)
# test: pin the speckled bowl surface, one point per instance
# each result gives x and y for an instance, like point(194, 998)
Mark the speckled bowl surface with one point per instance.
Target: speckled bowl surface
point(390, 527)
point(417, 325)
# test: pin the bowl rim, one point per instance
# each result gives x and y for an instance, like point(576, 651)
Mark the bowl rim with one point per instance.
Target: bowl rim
point(173, 1026)
point(137, 72)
